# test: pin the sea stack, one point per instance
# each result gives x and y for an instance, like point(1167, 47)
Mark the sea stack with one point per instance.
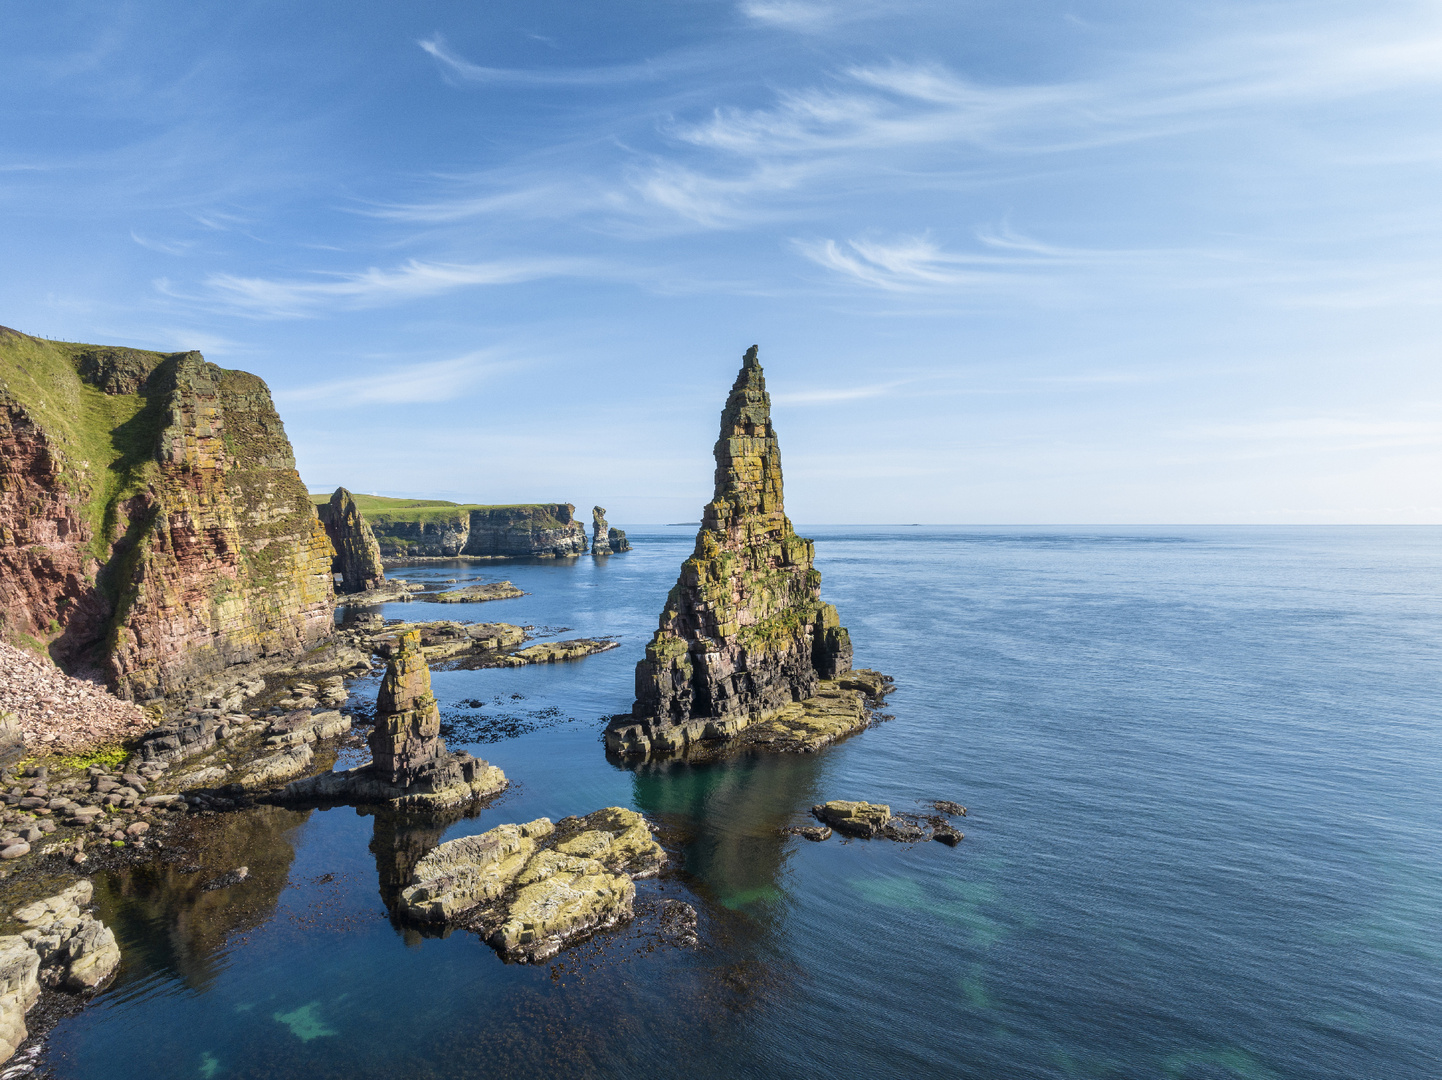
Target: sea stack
point(745, 638)
point(604, 539)
point(357, 555)
point(411, 767)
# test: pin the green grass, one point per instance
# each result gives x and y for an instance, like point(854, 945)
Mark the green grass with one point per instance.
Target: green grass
point(107, 440)
point(380, 511)
point(112, 757)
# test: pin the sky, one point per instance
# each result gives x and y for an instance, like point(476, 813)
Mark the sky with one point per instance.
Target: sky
point(1034, 261)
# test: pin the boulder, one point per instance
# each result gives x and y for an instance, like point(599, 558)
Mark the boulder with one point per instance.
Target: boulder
point(531, 887)
point(854, 818)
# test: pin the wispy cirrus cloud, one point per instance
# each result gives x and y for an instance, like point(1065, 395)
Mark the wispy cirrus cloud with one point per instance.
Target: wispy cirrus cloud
point(835, 395)
point(409, 384)
point(457, 66)
point(293, 298)
point(792, 14)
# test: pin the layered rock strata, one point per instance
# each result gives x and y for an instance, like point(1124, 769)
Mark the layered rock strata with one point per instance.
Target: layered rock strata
point(62, 945)
point(357, 559)
point(529, 888)
point(151, 517)
point(539, 530)
point(744, 634)
point(604, 539)
point(410, 766)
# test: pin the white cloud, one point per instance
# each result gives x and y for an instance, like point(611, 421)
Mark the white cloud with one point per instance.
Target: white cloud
point(414, 279)
point(462, 68)
point(833, 395)
point(411, 384)
point(791, 14)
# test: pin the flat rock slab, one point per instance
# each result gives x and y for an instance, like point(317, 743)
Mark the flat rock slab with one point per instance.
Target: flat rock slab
point(552, 652)
point(528, 888)
point(479, 779)
point(475, 594)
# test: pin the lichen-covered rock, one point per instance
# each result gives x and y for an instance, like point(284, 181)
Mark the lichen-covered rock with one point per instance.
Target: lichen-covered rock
point(62, 945)
point(745, 633)
point(604, 539)
point(854, 818)
point(357, 555)
point(531, 887)
point(476, 594)
point(150, 509)
point(551, 652)
point(410, 766)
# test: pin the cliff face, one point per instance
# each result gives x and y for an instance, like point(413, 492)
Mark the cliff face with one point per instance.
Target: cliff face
point(152, 522)
point(744, 631)
point(357, 555)
point(543, 529)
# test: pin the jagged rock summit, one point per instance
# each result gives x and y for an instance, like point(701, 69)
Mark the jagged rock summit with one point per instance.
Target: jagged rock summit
point(357, 554)
point(410, 767)
point(745, 641)
point(604, 539)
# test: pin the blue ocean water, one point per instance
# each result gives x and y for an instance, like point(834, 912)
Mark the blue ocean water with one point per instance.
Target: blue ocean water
point(1204, 840)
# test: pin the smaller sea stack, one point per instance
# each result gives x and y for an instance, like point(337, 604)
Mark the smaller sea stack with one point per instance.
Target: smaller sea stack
point(604, 539)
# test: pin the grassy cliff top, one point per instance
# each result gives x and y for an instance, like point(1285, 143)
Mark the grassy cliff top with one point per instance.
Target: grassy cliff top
point(379, 510)
point(107, 441)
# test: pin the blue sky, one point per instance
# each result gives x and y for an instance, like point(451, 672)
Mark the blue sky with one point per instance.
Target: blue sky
point(1006, 262)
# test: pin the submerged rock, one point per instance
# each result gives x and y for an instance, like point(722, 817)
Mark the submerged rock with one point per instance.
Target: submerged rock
point(528, 888)
point(745, 636)
point(410, 766)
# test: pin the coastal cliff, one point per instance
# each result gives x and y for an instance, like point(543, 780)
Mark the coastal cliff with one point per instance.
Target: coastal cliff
point(745, 638)
point(409, 528)
point(152, 522)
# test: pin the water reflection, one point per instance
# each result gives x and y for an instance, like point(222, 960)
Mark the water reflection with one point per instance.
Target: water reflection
point(174, 915)
point(728, 816)
point(399, 840)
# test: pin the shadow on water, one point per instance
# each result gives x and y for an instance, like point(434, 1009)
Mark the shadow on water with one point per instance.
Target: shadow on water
point(175, 916)
point(399, 840)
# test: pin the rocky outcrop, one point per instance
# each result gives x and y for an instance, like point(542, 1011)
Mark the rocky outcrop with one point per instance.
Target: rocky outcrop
point(529, 888)
point(604, 539)
point(552, 652)
point(357, 555)
point(476, 594)
point(745, 634)
point(410, 766)
point(151, 517)
point(539, 530)
point(875, 820)
point(62, 946)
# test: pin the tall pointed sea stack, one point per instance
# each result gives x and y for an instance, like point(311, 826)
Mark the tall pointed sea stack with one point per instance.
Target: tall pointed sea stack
point(745, 635)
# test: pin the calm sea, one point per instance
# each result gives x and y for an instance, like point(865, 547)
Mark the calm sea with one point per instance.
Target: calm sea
point(1205, 840)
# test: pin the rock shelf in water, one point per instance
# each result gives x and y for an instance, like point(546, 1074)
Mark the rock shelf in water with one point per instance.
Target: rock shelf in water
point(529, 888)
point(745, 642)
point(475, 594)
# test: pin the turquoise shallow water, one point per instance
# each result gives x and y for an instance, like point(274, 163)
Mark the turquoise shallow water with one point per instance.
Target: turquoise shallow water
point(1205, 825)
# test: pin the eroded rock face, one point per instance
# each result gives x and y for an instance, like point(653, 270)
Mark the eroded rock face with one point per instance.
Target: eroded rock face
point(357, 555)
point(604, 539)
point(531, 887)
point(151, 516)
point(745, 632)
point(539, 529)
point(410, 765)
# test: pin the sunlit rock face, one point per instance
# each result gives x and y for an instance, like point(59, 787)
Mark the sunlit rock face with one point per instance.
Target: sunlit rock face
point(744, 632)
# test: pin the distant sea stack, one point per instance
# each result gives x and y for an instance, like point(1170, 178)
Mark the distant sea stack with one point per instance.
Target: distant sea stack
point(152, 522)
point(745, 637)
point(357, 555)
point(604, 539)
